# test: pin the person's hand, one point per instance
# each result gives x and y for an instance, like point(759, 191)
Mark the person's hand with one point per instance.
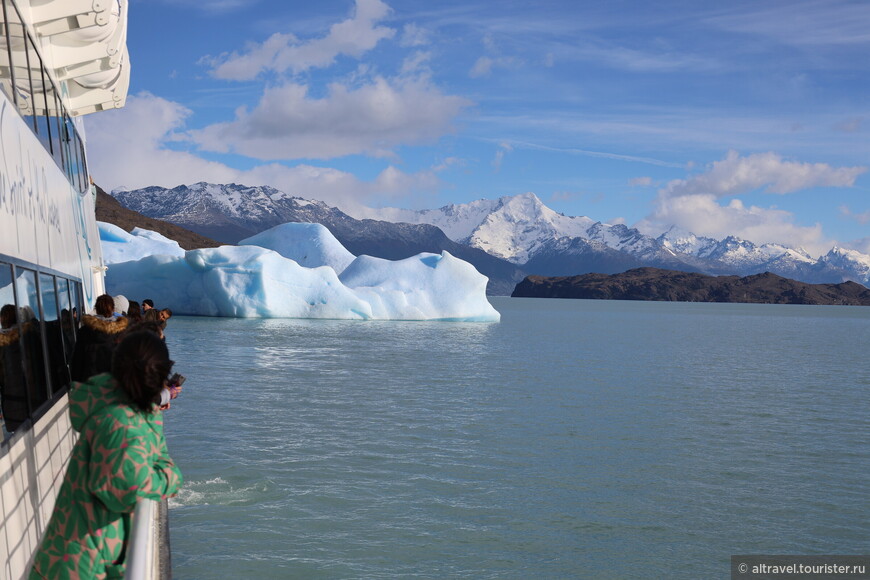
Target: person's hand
point(165, 407)
point(174, 391)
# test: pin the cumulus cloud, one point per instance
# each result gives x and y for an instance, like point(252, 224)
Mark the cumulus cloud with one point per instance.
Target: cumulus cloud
point(282, 52)
point(138, 146)
point(288, 123)
point(703, 215)
point(693, 203)
point(735, 175)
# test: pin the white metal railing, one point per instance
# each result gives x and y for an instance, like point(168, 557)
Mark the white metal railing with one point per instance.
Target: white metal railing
point(143, 549)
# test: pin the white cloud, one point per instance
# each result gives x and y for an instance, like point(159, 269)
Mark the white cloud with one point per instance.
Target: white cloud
point(129, 148)
point(503, 148)
point(485, 65)
point(735, 175)
point(693, 203)
point(289, 124)
point(862, 245)
point(482, 67)
point(282, 52)
point(417, 63)
point(814, 24)
point(628, 59)
point(862, 217)
point(413, 35)
point(703, 215)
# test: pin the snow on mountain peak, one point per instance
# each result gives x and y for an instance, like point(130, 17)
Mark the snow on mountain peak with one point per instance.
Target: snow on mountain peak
point(852, 260)
point(517, 228)
point(519, 225)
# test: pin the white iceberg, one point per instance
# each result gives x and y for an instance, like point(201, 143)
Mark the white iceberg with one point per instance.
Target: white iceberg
point(309, 245)
point(250, 281)
point(425, 286)
point(120, 246)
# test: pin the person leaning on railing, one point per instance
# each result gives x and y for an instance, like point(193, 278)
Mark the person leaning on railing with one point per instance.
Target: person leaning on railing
point(97, 337)
point(120, 456)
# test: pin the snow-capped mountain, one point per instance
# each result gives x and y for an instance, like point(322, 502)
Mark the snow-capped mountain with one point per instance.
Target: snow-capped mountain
point(227, 213)
point(523, 230)
point(849, 261)
point(512, 228)
point(503, 238)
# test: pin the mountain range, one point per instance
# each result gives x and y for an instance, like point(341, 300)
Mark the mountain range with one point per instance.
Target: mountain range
point(505, 239)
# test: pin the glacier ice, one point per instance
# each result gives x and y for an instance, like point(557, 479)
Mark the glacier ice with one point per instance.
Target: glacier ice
point(251, 281)
point(425, 286)
point(309, 245)
point(120, 246)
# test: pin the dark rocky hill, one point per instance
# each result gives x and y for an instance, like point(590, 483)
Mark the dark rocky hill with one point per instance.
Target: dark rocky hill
point(669, 285)
point(109, 210)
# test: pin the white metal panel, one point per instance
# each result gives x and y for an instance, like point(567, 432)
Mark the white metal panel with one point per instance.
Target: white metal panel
point(43, 219)
point(29, 485)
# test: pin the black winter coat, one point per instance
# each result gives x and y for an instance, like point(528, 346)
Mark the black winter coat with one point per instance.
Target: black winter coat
point(95, 343)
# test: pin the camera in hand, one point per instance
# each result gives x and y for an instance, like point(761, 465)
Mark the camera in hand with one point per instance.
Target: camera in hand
point(176, 380)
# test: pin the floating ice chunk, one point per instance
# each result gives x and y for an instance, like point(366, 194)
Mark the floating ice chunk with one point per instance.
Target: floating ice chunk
point(309, 245)
point(249, 281)
point(120, 246)
point(243, 282)
point(423, 287)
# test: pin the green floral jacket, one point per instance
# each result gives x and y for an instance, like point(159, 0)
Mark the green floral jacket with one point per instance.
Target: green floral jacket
point(120, 457)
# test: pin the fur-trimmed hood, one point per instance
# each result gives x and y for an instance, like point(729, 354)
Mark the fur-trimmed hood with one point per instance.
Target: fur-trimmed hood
point(105, 325)
point(8, 336)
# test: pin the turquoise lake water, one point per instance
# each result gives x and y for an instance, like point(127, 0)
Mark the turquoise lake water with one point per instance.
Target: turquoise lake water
point(574, 439)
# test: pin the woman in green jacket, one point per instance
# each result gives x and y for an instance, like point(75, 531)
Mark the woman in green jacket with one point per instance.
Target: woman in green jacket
point(120, 456)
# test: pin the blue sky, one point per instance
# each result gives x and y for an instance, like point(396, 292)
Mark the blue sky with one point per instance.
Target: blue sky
point(744, 118)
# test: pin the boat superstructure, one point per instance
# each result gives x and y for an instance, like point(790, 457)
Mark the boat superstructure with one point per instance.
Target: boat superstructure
point(59, 60)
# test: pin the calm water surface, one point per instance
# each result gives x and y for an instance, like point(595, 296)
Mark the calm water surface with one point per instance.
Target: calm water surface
point(574, 439)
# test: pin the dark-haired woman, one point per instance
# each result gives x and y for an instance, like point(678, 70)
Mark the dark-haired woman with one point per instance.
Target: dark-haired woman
point(97, 338)
point(120, 456)
point(134, 312)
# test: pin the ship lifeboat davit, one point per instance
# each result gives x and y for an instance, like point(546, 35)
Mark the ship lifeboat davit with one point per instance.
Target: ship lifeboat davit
point(85, 43)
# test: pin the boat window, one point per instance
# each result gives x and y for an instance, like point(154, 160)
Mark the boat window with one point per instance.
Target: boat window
point(84, 182)
point(57, 130)
point(75, 298)
point(58, 370)
point(15, 400)
point(39, 316)
point(67, 321)
point(13, 388)
point(27, 294)
point(11, 29)
point(5, 51)
point(23, 59)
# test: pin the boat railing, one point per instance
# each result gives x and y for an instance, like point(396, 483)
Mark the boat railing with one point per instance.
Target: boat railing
point(148, 554)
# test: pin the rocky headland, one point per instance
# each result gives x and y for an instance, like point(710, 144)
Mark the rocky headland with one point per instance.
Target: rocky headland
point(669, 285)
